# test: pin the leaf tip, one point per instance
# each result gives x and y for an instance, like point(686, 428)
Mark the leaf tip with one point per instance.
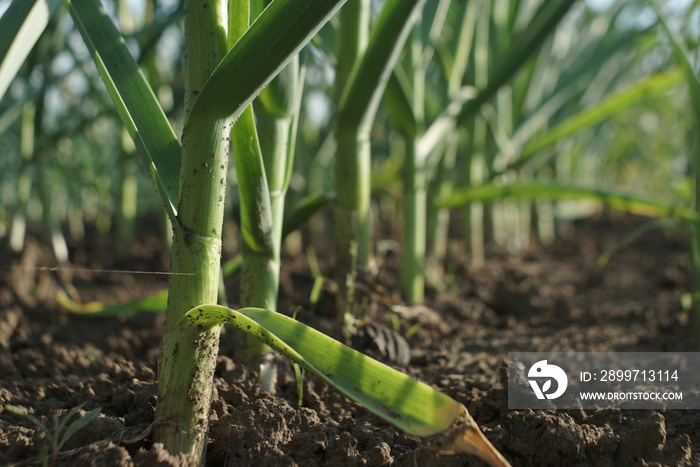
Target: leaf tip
point(465, 437)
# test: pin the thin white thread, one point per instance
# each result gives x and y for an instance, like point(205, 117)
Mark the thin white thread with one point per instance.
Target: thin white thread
point(109, 271)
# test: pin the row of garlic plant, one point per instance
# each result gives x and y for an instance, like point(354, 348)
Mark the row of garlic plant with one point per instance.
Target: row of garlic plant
point(502, 118)
point(540, 97)
point(191, 179)
point(579, 80)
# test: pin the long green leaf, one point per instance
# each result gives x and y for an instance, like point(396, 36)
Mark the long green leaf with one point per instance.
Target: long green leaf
point(554, 191)
point(256, 212)
point(410, 405)
point(21, 26)
point(154, 303)
point(693, 84)
point(138, 107)
point(266, 47)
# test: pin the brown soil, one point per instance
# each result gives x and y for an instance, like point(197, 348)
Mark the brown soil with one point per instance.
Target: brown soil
point(549, 299)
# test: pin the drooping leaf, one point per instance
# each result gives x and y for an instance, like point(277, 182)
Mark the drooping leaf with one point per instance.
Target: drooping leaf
point(557, 191)
point(412, 406)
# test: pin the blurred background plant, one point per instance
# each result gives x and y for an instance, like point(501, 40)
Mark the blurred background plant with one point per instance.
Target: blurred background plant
point(509, 134)
point(62, 175)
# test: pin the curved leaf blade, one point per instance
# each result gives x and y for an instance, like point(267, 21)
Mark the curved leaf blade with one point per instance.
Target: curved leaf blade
point(154, 303)
point(399, 399)
point(410, 405)
point(303, 211)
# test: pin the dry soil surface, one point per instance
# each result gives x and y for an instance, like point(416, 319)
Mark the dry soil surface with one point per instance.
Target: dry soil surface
point(548, 299)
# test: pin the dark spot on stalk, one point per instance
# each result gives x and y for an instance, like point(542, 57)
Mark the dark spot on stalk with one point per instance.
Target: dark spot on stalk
point(205, 6)
point(188, 235)
point(248, 327)
point(194, 172)
point(176, 350)
point(195, 93)
point(204, 164)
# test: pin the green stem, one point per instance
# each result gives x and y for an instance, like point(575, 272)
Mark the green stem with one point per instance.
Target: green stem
point(439, 218)
point(356, 112)
point(352, 210)
point(24, 180)
point(415, 183)
point(413, 261)
point(354, 36)
point(128, 191)
point(188, 361)
point(695, 246)
point(264, 156)
point(352, 167)
point(259, 271)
